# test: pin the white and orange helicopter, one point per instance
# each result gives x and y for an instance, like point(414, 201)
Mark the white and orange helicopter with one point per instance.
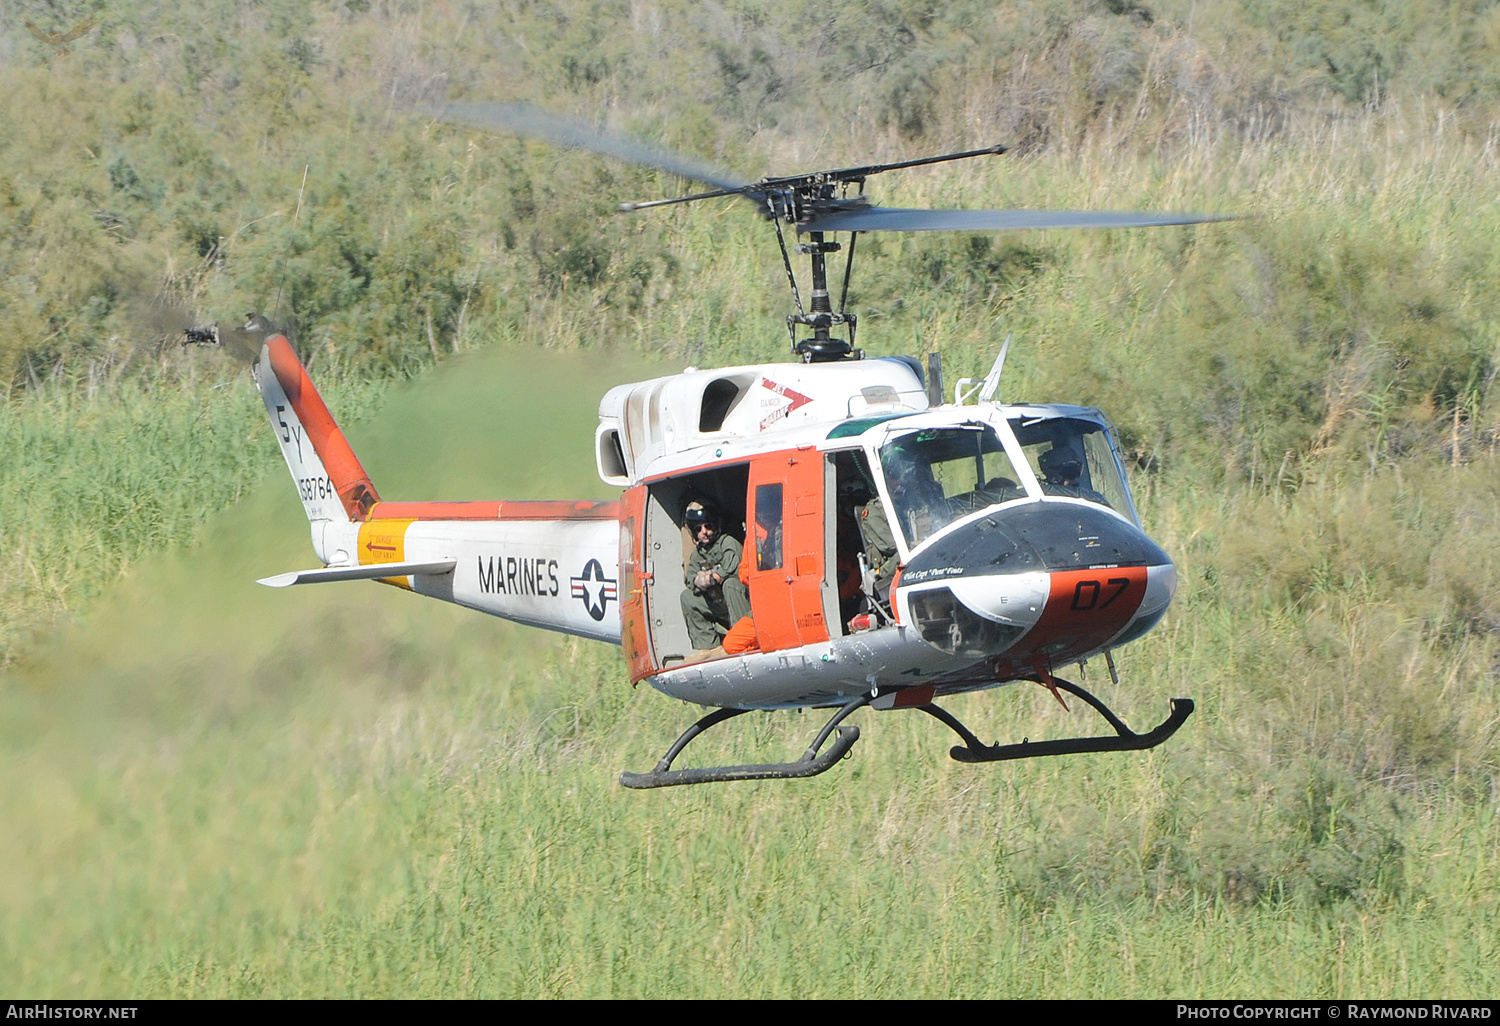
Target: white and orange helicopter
point(1019, 549)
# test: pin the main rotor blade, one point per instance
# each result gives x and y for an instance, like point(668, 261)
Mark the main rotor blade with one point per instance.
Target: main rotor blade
point(895, 219)
point(526, 120)
point(854, 174)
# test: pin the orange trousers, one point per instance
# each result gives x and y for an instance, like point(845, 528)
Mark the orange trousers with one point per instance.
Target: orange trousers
point(741, 638)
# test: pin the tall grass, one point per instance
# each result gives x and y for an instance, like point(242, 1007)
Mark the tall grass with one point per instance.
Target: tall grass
point(87, 487)
point(217, 790)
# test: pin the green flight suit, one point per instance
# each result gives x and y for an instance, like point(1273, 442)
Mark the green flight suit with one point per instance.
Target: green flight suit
point(709, 614)
point(880, 545)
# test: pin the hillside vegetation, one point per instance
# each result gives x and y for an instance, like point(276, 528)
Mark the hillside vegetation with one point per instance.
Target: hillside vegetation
point(214, 792)
point(155, 175)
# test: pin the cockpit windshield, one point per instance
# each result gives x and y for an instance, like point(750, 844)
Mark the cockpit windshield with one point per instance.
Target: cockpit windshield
point(1073, 457)
point(938, 475)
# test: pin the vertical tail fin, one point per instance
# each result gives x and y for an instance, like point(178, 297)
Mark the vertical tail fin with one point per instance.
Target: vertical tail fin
point(329, 478)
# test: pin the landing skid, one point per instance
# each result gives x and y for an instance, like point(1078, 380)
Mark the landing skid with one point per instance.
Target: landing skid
point(973, 750)
point(810, 765)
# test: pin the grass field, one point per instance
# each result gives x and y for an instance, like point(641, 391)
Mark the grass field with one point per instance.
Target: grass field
point(217, 789)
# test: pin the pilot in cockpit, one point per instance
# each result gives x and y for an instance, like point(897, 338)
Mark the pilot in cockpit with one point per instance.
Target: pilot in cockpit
point(1062, 468)
point(919, 504)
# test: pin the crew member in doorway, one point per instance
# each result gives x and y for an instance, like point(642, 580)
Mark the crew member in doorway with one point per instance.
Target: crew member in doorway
point(880, 547)
point(715, 597)
point(904, 481)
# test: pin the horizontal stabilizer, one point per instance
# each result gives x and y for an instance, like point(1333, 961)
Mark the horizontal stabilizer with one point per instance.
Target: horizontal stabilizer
point(368, 572)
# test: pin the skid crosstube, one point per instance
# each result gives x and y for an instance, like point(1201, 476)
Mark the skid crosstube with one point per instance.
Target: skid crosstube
point(810, 765)
point(1126, 740)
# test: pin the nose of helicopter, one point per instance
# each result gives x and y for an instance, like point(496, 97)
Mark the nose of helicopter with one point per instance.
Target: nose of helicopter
point(1058, 580)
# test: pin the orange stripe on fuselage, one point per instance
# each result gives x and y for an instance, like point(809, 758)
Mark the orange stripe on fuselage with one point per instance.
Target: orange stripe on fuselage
point(382, 537)
point(1085, 608)
point(349, 478)
point(516, 509)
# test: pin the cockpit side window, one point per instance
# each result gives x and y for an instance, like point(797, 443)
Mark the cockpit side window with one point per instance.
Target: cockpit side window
point(938, 475)
point(1073, 457)
point(768, 527)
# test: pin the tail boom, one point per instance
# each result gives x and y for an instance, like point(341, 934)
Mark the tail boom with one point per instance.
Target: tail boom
point(559, 575)
point(542, 571)
point(553, 565)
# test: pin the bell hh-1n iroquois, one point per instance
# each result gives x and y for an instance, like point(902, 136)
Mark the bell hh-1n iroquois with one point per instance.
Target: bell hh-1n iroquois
point(828, 533)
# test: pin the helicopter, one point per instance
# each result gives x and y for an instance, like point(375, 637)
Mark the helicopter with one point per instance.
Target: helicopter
point(896, 546)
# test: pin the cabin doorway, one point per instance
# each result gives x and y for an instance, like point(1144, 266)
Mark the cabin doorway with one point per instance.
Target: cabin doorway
point(668, 545)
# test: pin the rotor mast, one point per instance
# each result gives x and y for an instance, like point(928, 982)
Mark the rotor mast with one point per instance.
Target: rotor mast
point(822, 318)
point(803, 201)
point(822, 308)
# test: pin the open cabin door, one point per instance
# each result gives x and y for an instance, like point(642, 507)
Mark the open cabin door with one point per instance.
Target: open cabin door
point(633, 635)
point(786, 547)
